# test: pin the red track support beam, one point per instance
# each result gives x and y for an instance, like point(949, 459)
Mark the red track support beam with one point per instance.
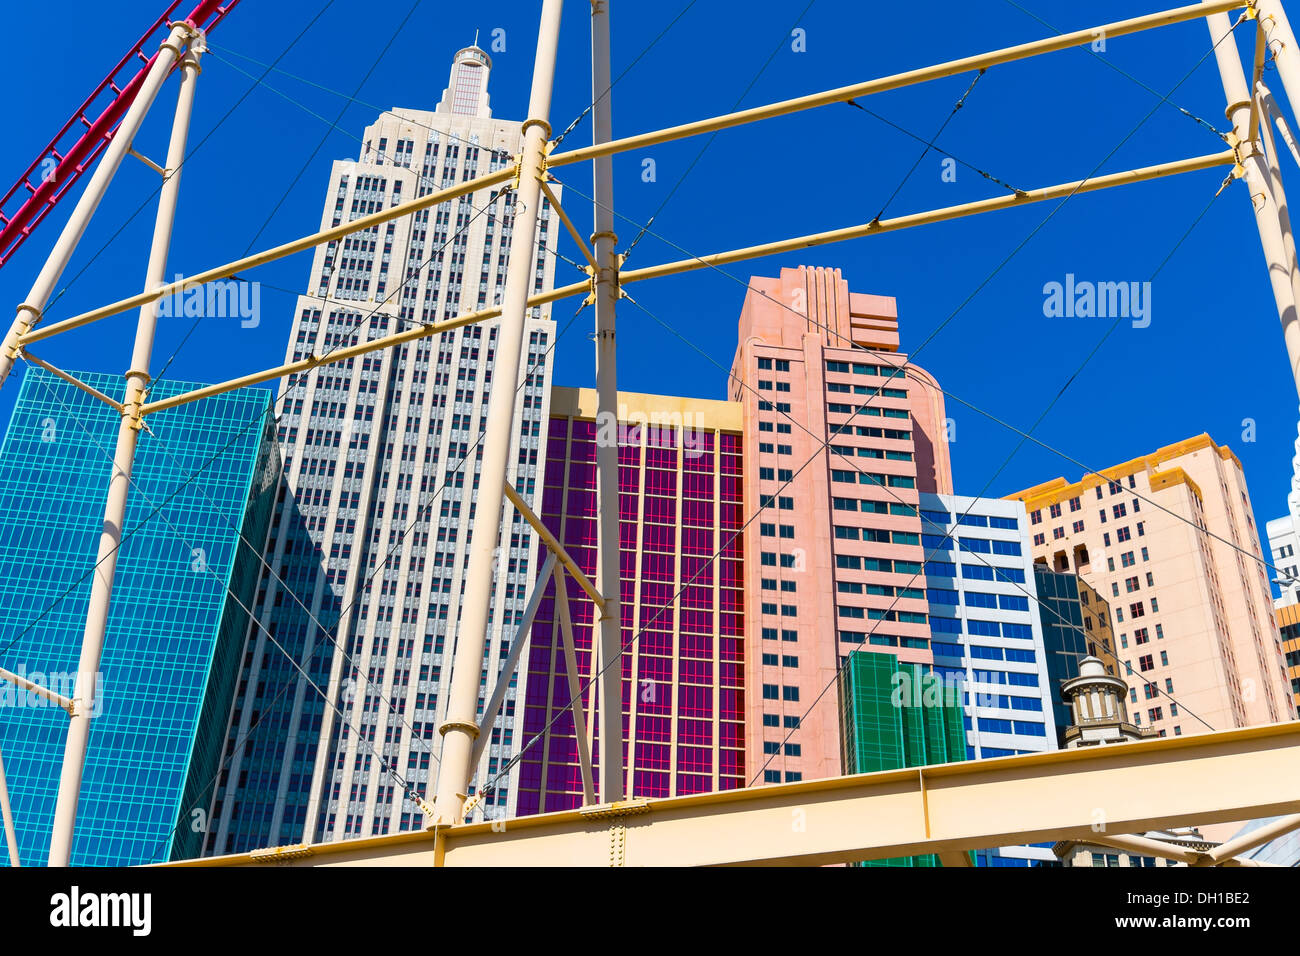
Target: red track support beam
point(55, 181)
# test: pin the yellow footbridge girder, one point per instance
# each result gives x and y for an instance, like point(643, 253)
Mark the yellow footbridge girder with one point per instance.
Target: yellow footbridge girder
point(1086, 794)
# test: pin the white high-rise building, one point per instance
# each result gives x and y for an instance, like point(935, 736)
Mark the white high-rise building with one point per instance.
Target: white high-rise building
point(376, 506)
point(987, 632)
point(1284, 554)
point(1284, 542)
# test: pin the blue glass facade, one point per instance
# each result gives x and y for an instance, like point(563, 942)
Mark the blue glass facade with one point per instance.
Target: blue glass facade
point(175, 633)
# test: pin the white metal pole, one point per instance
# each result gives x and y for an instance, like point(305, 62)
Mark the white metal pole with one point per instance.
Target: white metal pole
point(610, 646)
point(7, 817)
point(30, 310)
point(1286, 55)
point(1282, 272)
point(110, 539)
point(460, 727)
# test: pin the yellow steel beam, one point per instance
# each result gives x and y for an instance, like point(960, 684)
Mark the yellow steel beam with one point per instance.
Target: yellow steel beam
point(782, 108)
point(1147, 785)
point(1145, 173)
point(573, 230)
point(924, 74)
point(73, 381)
point(943, 214)
point(351, 351)
point(269, 255)
point(553, 543)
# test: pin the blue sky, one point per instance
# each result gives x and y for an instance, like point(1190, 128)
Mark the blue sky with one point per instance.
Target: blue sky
point(1211, 357)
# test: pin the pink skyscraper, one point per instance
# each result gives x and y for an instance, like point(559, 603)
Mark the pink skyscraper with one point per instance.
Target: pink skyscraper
point(839, 443)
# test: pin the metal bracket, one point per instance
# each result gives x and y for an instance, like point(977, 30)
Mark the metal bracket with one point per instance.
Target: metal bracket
point(282, 855)
point(617, 814)
point(148, 162)
point(471, 803)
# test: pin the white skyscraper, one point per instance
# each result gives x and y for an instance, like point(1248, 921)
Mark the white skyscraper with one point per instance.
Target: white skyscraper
point(987, 631)
point(1284, 542)
point(367, 443)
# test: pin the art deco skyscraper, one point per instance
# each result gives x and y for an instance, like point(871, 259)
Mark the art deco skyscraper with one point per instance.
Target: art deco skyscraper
point(840, 441)
point(378, 496)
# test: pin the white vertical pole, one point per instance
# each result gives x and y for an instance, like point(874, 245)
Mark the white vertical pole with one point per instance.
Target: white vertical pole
point(610, 645)
point(29, 312)
point(7, 818)
point(1282, 272)
point(460, 728)
point(110, 538)
point(1286, 55)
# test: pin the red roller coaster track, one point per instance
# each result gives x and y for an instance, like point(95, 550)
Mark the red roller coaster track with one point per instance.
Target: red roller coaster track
point(51, 176)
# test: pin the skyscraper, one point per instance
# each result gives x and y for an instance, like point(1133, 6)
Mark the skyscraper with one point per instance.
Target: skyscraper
point(680, 503)
point(985, 624)
point(1283, 547)
point(1284, 542)
point(895, 716)
point(1169, 539)
point(204, 476)
point(987, 639)
point(1076, 624)
point(378, 496)
point(839, 444)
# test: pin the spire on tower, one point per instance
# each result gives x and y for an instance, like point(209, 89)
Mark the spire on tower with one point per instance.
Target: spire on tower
point(466, 93)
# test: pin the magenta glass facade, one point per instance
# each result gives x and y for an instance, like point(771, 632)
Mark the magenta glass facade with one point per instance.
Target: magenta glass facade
point(683, 667)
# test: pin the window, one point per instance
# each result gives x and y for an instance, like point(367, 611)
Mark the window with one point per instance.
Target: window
point(1146, 663)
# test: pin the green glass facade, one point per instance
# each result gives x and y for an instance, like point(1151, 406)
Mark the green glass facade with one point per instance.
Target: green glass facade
point(205, 473)
point(895, 715)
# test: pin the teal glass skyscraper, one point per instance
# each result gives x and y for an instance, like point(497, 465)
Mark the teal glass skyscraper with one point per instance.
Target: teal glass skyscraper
point(205, 475)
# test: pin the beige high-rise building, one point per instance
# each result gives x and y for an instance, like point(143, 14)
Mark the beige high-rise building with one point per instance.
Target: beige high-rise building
point(1169, 540)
